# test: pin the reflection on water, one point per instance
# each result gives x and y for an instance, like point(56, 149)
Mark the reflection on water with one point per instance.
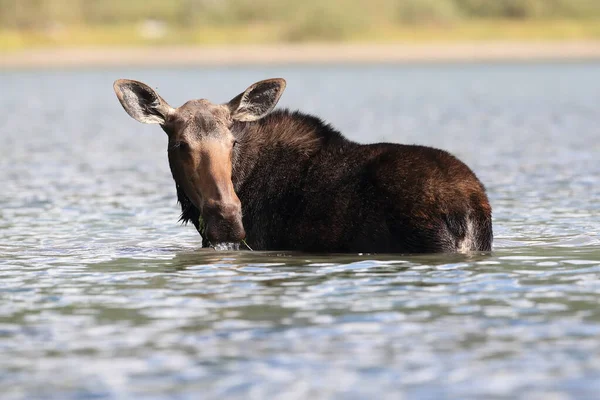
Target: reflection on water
point(104, 295)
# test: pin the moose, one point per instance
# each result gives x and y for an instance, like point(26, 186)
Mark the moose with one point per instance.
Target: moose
point(285, 180)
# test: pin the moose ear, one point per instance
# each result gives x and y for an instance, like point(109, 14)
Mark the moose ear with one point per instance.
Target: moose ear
point(257, 101)
point(141, 102)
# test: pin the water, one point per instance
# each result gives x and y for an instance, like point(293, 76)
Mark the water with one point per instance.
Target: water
point(104, 295)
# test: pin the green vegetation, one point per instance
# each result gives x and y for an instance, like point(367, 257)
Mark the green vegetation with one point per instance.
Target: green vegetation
point(27, 23)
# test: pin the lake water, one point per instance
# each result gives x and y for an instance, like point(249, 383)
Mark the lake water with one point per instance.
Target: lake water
point(104, 295)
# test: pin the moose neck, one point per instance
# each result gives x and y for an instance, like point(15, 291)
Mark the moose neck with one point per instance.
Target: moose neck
point(279, 138)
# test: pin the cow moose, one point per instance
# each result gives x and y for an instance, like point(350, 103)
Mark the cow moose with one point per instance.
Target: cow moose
point(283, 180)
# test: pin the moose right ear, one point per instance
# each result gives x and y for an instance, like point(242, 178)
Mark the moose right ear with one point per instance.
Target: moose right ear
point(141, 102)
point(257, 101)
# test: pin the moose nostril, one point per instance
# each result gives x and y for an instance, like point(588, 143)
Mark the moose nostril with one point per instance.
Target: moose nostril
point(224, 224)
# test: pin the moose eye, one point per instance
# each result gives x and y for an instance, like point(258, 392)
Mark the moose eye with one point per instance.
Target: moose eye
point(179, 146)
point(235, 142)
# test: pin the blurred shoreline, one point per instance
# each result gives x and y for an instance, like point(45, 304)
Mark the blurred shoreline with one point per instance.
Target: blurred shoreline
point(290, 54)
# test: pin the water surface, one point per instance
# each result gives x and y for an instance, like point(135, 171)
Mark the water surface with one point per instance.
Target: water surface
point(104, 295)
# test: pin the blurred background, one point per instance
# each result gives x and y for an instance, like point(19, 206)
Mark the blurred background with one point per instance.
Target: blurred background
point(43, 23)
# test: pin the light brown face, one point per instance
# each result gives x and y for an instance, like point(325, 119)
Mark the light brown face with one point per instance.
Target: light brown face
point(201, 146)
point(200, 153)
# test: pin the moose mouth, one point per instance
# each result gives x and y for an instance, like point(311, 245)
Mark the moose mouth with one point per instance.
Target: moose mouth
point(221, 246)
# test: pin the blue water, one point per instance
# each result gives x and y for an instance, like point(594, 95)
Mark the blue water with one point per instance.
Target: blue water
point(104, 295)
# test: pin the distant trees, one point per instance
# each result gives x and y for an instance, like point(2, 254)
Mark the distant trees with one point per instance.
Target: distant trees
point(530, 8)
point(304, 14)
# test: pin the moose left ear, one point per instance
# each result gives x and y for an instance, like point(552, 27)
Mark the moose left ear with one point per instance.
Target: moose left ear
point(257, 101)
point(141, 102)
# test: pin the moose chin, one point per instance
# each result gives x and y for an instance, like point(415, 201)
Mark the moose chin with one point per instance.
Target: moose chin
point(282, 180)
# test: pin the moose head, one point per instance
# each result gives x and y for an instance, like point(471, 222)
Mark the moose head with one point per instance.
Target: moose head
point(201, 146)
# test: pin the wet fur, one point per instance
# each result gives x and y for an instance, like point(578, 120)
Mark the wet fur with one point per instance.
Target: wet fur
point(303, 186)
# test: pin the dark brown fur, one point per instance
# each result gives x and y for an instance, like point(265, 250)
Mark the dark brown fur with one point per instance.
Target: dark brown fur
point(287, 181)
point(303, 186)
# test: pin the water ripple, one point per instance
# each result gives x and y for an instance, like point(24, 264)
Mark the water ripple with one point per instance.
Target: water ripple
point(104, 295)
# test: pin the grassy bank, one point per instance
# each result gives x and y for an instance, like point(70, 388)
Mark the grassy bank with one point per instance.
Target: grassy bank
point(148, 34)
